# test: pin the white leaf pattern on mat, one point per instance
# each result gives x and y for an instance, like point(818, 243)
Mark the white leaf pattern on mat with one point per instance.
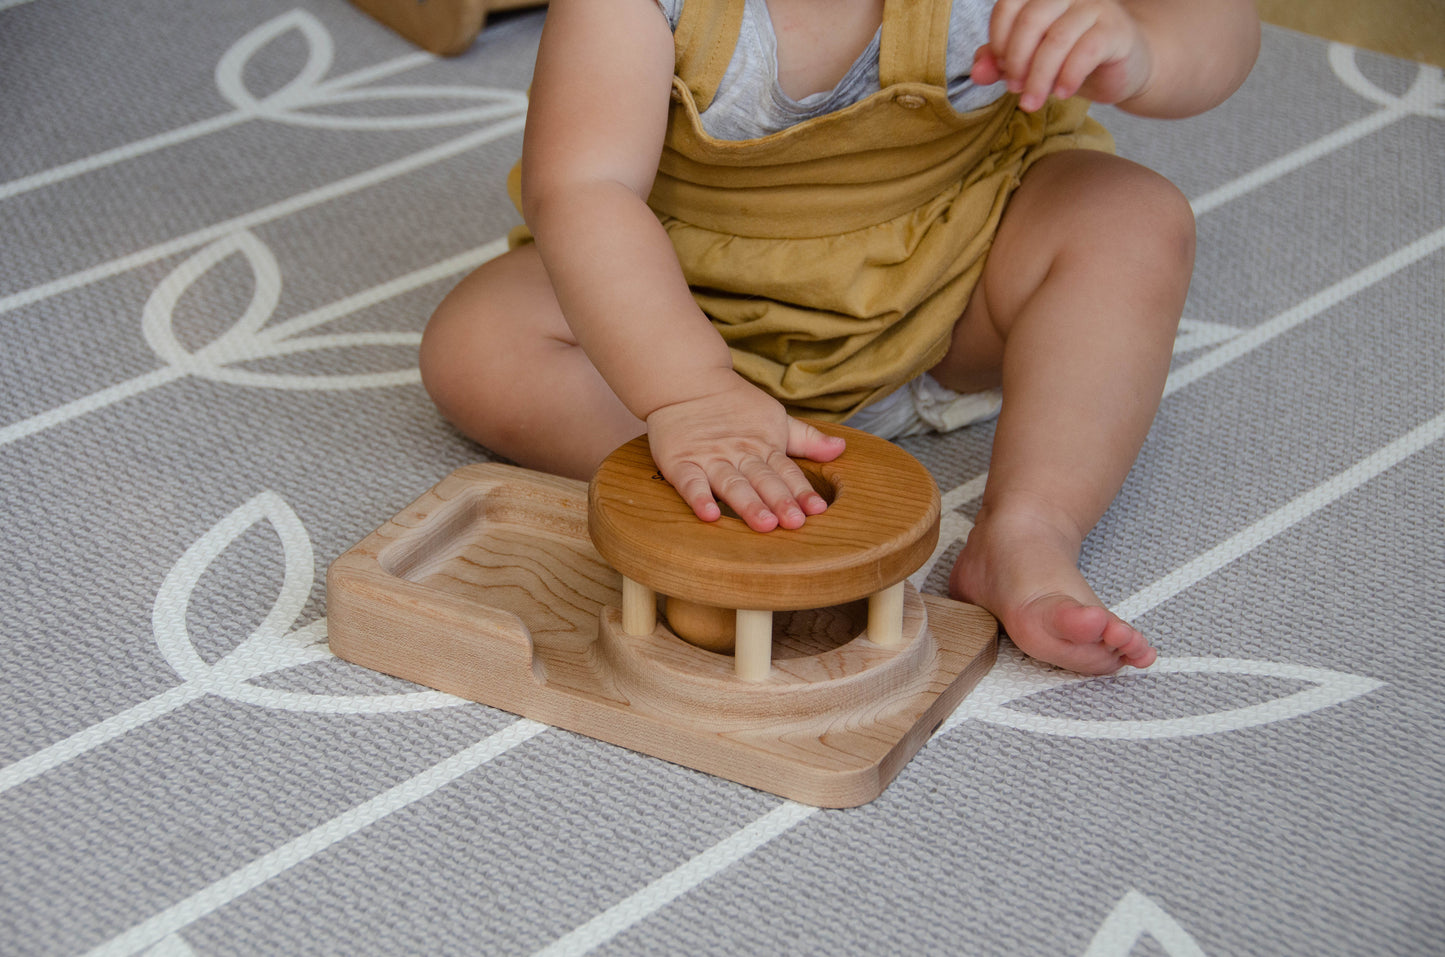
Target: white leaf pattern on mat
point(1016, 677)
point(1134, 918)
point(273, 646)
point(247, 338)
point(296, 102)
point(231, 67)
point(278, 337)
point(1426, 95)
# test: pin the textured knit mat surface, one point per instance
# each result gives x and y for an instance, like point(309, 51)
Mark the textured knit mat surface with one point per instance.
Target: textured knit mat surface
point(222, 227)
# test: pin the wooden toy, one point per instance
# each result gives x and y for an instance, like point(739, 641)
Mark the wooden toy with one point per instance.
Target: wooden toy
point(491, 586)
point(443, 27)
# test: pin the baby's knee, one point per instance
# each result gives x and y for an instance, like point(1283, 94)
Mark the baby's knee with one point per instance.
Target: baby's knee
point(451, 355)
point(1163, 221)
point(438, 359)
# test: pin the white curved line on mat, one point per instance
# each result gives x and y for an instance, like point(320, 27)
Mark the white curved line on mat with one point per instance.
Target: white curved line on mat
point(1426, 95)
point(1251, 339)
point(273, 335)
point(1134, 918)
point(293, 852)
point(1017, 677)
point(678, 881)
point(185, 134)
point(229, 69)
point(953, 526)
point(1283, 518)
point(1292, 161)
point(314, 197)
point(295, 102)
point(119, 154)
point(273, 646)
point(1423, 98)
point(675, 883)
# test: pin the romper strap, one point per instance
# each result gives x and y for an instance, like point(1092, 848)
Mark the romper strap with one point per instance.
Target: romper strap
point(914, 44)
point(706, 35)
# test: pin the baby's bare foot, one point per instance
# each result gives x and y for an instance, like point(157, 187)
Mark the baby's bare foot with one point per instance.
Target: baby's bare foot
point(1021, 563)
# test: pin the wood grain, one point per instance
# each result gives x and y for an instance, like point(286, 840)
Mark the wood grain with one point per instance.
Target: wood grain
point(882, 526)
point(443, 27)
point(489, 588)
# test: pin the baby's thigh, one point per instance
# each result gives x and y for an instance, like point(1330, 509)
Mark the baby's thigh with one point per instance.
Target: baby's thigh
point(499, 324)
point(508, 299)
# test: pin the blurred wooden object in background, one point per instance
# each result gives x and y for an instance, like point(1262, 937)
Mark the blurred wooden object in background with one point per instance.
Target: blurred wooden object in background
point(1411, 29)
point(443, 27)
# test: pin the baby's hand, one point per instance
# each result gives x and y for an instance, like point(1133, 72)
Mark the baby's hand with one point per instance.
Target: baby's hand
point(735, 443)
point(1044, 48)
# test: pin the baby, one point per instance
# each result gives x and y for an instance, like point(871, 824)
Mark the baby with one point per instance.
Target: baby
point(883, 212)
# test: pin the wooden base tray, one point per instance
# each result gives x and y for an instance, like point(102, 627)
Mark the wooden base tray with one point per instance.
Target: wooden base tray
point(489, 588)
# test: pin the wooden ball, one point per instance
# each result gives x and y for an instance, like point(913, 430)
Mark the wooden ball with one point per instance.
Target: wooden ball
point(705, 626)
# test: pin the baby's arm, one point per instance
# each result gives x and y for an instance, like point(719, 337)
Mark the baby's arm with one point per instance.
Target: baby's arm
point(594, 133)
point(1163, 58)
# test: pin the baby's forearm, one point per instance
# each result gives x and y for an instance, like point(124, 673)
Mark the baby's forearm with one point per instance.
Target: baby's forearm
point(622, 291)
point(1200, 52)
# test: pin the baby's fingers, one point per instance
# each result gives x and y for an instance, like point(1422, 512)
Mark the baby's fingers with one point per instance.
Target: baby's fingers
point(810, 442)
point(785, 490)
point(986, 69)
point(692, 483)
point(1015, 30)
point(765, 493)
point(745, 494)
point(1058, 48)
point(1042, 40)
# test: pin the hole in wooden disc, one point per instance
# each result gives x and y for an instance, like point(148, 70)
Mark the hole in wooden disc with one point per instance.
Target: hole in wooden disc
point(816, 478)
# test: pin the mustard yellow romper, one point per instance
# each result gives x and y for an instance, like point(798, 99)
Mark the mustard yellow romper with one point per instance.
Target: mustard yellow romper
point(835, 256)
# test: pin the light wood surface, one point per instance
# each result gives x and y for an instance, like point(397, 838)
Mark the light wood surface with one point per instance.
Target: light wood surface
point(707, 626)
point(882, 526)
point(489, 587)
point(1410, 29)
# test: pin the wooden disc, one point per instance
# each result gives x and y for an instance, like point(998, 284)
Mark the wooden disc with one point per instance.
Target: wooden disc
point(881, 526)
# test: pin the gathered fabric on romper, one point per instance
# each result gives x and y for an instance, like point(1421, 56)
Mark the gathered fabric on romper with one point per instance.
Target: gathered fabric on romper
point(835, 256)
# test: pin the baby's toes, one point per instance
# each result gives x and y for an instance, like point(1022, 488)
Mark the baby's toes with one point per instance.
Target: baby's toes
point(1128, 643)
point(1071, 621)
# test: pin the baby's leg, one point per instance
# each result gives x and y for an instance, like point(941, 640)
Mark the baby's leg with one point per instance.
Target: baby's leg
point(500, 363)
point(1075, 317)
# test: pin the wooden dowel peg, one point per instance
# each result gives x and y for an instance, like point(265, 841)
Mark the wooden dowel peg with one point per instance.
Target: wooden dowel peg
point(639, 608)
point(885, 616)
point(754, 651)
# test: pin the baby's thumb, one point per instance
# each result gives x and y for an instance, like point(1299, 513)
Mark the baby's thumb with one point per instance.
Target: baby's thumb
point(808, 442)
